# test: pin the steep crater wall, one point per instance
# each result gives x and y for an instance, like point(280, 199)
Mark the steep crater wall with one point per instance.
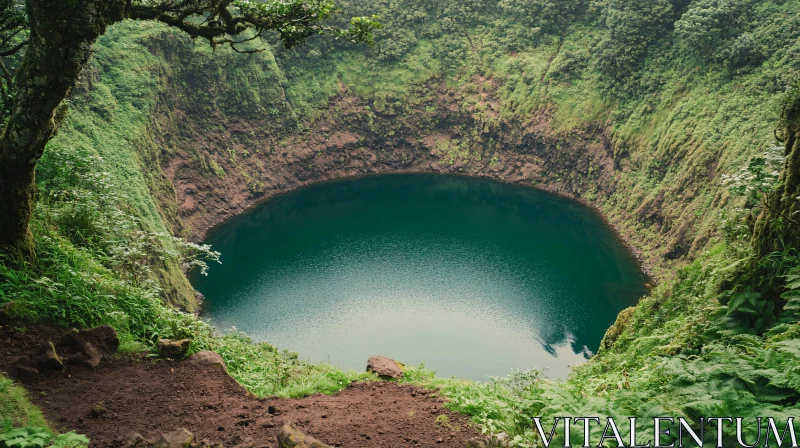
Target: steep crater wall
point(208, 134)
point(223, 161)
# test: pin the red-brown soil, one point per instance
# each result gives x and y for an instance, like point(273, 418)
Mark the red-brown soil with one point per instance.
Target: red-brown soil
point(127, 394)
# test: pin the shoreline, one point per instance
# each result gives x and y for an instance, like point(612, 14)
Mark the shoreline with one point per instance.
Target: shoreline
point(645, 265)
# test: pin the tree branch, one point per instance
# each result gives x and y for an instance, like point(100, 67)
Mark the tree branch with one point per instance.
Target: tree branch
point(14, 49)
point(219, 21)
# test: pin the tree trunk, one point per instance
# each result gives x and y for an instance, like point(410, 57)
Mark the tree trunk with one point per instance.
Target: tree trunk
point(777, 228)
point(16, 204)
point(61, 38)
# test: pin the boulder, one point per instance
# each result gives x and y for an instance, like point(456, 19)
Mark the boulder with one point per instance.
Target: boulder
point(180, 438)
point(80, 352)
point(384, 367)
point(173, 349)
point(91, 355)
point(207, 358)
point(49, 360)
point(88, 346)
point(135, 440)
point(291, 437)
point(104, 337)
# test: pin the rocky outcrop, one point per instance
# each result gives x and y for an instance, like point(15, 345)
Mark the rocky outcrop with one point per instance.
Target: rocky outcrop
point(386, 368)
point(207, 358)
point(291, 437)
point(135, 440)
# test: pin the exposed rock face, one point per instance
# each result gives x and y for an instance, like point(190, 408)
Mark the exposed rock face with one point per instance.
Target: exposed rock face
point(180, 438)
point(174, 349)
point(207, 358)
point(291, 437)
point(345, 144)
point(384, 367)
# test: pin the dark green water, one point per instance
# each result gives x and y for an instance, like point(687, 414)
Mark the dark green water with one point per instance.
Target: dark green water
point(469, 276)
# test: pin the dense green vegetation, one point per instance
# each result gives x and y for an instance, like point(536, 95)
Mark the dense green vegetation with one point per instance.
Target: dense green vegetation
point(677, 93)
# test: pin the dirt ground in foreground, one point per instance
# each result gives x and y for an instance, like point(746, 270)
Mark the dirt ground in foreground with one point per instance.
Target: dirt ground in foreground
point(127, 394)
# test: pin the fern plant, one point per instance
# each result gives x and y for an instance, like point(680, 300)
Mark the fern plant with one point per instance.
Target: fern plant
point(791, 309)
point(744, 312)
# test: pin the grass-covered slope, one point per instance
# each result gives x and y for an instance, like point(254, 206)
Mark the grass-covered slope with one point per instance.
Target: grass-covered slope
point(639, 108)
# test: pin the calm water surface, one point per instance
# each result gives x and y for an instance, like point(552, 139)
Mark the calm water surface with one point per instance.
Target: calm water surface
point(471, 277)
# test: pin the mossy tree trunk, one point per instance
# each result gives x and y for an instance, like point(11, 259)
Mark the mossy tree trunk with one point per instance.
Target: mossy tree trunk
point(778, 227)
point(61, 38)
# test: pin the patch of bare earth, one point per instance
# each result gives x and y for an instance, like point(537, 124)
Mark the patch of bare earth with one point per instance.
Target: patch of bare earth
point(127, 394)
